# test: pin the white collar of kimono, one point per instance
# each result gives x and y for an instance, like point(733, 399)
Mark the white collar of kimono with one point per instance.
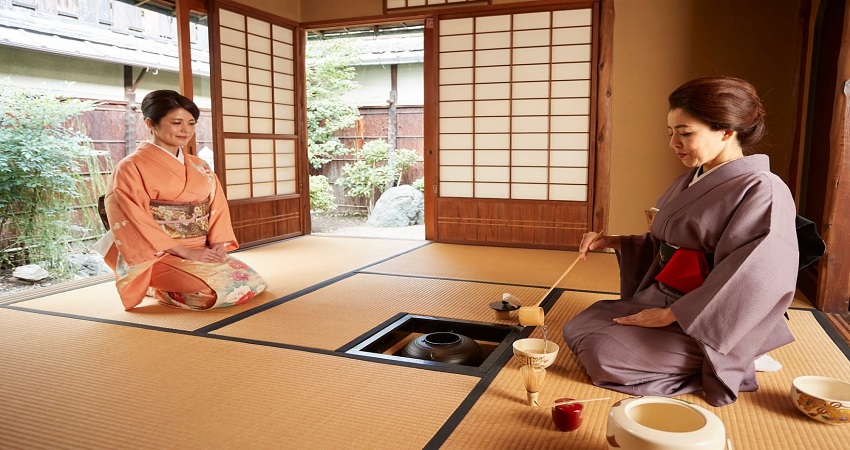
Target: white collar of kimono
point(699, 174)
point(179, 156)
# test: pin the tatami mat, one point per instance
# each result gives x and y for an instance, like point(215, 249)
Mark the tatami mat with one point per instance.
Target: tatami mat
point(341, 312)
point(531, 267)
point(765, 419)
point(287, 267)
point(69, 383)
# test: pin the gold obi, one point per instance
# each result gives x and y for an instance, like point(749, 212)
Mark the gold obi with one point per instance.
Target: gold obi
point(182, 220)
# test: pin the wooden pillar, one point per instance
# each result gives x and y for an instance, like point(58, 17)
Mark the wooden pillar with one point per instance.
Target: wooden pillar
point(834, 270)
point(604, 114)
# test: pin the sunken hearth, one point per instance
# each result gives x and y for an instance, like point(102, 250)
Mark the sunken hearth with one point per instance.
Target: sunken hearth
point(437, 343)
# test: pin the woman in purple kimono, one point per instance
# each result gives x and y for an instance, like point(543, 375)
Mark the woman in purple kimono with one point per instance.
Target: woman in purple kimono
point(723, 244)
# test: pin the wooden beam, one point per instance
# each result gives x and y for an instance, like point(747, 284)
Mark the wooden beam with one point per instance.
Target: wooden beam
point(602, 176)
point(834, 283)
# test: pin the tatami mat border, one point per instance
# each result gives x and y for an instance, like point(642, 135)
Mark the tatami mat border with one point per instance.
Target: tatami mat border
point(830, 331)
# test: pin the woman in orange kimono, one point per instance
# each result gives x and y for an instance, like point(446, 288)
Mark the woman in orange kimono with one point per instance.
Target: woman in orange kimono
point(170, 227)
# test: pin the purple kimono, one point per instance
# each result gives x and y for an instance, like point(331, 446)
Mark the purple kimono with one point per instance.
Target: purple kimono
point(745, 216)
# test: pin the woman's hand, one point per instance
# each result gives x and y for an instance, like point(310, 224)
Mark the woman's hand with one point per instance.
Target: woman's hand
point(649, 318)
point(199, 254)
point(593, 241)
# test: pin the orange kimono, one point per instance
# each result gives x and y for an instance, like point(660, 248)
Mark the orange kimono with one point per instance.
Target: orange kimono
point(154, 203)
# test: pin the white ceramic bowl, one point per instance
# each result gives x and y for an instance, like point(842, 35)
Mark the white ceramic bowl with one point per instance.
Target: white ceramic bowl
point(824, 399)
point(659, 423)
point(530, 351)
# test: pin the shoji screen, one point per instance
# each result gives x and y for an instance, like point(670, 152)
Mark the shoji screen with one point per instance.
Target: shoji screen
point(258, 106)
point(515, 106)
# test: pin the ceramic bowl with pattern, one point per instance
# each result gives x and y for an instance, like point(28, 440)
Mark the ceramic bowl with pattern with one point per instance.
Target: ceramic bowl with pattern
point(823, 399)
point(534, 352)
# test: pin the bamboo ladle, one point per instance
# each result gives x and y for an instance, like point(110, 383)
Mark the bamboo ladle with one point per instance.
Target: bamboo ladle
point(530, 316)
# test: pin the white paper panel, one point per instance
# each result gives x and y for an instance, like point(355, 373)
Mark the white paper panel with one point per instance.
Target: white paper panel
point(282, 34)
point(284, 160)
point(234, 55)
point(492, 124)
point(568, 175)
point(284, 81)
point(498, 57)
point(455, 59)
point(231, 19)
point(493, 157)
point(238, 161)
point(497, 74)
point(233, 72)
point(566, 192)
point(234, 90)
point(531, 20)
point(570, 53)
point(580, 35)
point(282, 50)
point(236, 146)
point(528, 191)
point(529, 174)
point(455, 26)
point(456, 109)
point(264, 126)
point(262, 146)
point(531, 89)
point(261, 109)
point(450, 189)
point(455, 157)
point(284, 96)
point(284, 127)
point(260, 60)
point(532, 38)
point(570, 124)
point(533, 107)
point(530, 124)
point(263, 175)
point(263, 189)
point(532, 158)
point(283, 65)
point(568, 158)
point(577, 88)
point(492, 23)
point(455, 76)
point(492, 190)
point(456, 173)
point(570, 106)
point(569, 141)
point(492, 141)
point(531, 55)
point(285, 173)
point(537, 72)
point(492, 40)
point(233, 124)
point(259, 93)
point(232, 38)
point(238, 176)
point(259, 44)
point(286, 112)
point(455, 43)
point(572, 18)
point(234, 107)
point(492, 91)
point(456, 141)
point(286, 187)
point(492, 174)
point(531, 141)
point(259, 27)
point(492, 107)
point(571, 71)
point(456, 92)
point(284, 146)
point(258, 76)
point(235, 192)
point(456, 125)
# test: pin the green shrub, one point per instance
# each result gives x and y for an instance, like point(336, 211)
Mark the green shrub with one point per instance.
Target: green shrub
point(375, 169)
point(40, 180)
point(419, 183)
point(321, 194)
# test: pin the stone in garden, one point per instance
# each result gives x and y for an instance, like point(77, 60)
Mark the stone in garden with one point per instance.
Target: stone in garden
point(30, 272)
point(399, 206)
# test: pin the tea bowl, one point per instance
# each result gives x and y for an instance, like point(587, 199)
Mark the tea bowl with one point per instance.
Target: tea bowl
point(530, 351)
point(661, 423)
point(824, 399)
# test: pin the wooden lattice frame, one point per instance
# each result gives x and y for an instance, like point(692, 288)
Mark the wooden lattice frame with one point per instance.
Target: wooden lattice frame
point(405, 5)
